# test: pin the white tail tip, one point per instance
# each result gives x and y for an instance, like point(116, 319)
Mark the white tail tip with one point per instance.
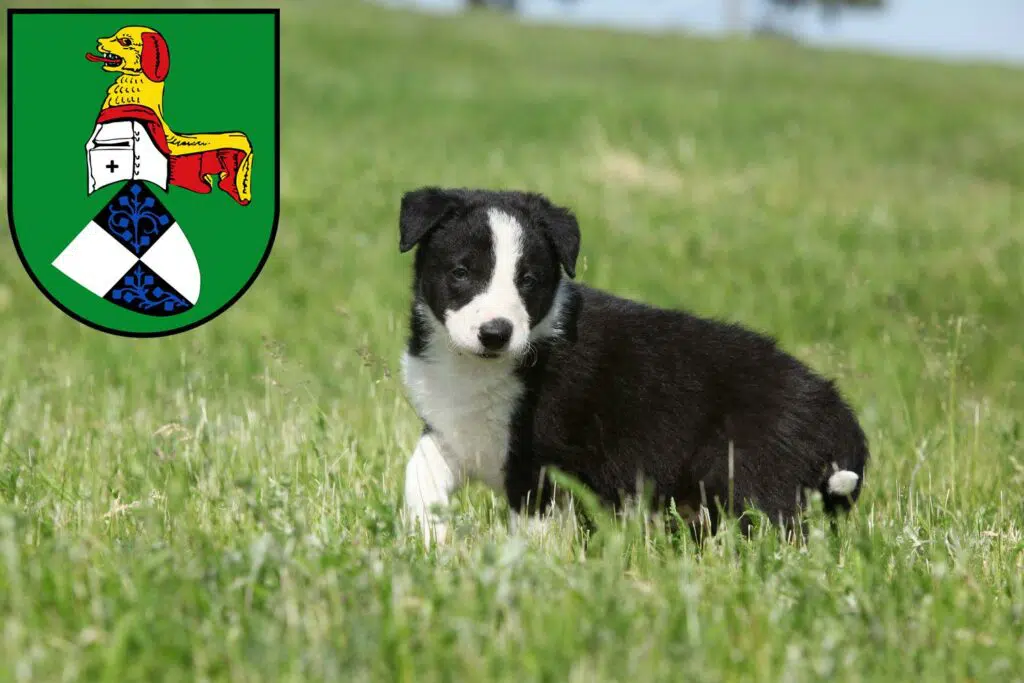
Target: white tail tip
point(842, 483)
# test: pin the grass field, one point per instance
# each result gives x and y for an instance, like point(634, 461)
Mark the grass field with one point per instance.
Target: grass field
point(223, 505)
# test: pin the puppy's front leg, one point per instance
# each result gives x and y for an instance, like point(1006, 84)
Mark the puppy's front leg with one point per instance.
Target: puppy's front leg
point(429, 481)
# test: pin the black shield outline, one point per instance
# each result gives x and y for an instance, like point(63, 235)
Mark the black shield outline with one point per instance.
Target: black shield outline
point(276, 12)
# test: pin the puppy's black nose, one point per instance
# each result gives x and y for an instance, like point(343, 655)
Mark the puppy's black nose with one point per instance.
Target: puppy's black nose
point(494, 334)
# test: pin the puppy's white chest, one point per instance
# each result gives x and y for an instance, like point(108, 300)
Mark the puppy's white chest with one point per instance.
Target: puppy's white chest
point(469, 403)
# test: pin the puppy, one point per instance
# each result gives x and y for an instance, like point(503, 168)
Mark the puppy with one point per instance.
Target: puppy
point(513, 368)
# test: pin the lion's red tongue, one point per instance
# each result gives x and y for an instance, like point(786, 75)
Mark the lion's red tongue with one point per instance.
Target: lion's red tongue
point(102, 60)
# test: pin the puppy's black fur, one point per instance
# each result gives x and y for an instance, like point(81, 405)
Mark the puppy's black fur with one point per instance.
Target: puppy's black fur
point(636, 389)
point(628, 389)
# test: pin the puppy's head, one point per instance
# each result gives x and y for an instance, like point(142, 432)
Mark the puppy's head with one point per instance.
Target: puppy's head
point(132, 50)
point(488, 265)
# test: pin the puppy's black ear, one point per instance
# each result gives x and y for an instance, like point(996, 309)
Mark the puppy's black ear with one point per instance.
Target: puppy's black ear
point(562, 230)
point(421, 211)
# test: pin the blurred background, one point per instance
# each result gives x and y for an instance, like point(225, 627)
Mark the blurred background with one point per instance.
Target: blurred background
point(224, 504)
point(980, 29)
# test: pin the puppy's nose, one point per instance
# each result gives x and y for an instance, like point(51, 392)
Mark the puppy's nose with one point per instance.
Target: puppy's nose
point(494, 334)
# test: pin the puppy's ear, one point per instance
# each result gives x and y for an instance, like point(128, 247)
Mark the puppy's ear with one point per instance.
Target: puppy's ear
point(561, 228)
point(421, 212)
point(155, 58)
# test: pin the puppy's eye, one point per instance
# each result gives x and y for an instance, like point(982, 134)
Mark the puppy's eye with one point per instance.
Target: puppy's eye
point(459, 273)
point(528, 281)
point(125, 41)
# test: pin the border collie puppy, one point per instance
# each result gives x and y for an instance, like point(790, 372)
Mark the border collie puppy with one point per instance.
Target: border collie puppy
point(513, 367)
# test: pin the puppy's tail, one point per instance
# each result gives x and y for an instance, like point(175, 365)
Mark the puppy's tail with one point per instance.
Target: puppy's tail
point(841, 489)
point(842, 483)
point(843, 477)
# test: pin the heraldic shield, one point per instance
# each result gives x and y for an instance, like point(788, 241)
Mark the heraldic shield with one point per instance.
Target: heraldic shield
point(143, 160)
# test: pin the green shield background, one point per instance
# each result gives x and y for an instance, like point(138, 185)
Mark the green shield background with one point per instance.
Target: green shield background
point(224, 71)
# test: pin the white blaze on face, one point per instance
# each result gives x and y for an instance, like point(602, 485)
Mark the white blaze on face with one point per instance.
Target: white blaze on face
point(501, 297)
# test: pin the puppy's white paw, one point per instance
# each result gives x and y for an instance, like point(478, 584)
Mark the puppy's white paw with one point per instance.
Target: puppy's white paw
point(429, 482)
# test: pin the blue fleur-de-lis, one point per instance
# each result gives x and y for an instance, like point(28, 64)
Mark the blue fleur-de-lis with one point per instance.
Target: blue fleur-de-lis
point(135, 221)
point(140, 290)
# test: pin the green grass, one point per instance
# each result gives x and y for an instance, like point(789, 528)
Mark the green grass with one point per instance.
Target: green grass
point(223, 506)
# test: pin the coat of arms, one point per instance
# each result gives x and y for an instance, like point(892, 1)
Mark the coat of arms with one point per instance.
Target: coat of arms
point(171, 214)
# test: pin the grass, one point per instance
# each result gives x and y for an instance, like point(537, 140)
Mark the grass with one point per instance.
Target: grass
point(223, 506)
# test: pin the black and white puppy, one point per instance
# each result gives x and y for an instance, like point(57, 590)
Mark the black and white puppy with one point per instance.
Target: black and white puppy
point(513, 367)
